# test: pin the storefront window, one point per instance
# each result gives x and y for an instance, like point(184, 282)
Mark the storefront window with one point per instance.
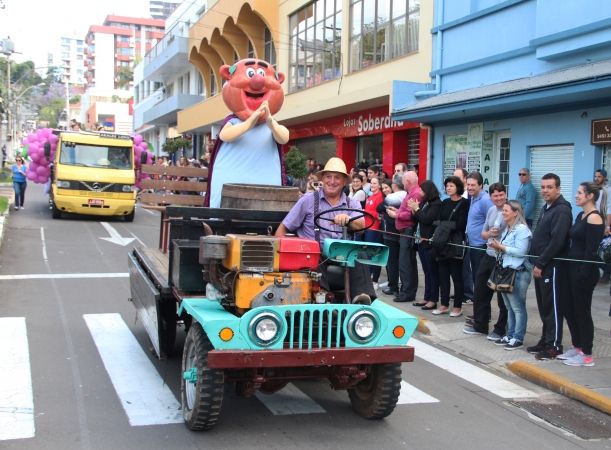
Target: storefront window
point(320, 148)
point(381, 30)
point(315, 44)
point(370, 150)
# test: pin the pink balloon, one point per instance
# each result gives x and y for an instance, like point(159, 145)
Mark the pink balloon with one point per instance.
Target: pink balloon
point(138, 139)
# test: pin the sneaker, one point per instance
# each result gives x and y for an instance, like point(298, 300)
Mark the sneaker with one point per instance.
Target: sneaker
point(472, 330)
point(536, 348)
point(494, 336)
point(503, 341)
point(375, 286)
point(548, 353)
point(22, 207)
point(580, 360)
point(513, 344)
point(569, 353)
point(16, 208)
point(388, 291)
point(467, 301)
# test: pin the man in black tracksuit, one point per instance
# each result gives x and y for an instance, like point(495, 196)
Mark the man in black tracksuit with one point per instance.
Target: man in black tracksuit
point(550, 240)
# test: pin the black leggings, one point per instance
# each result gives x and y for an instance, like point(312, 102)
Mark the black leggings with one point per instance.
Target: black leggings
point(577, 309)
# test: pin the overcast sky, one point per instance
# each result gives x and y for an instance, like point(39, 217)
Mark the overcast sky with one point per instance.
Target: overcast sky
point(35, 26)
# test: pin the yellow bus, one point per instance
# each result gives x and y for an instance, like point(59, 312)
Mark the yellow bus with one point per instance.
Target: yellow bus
point(93, 173)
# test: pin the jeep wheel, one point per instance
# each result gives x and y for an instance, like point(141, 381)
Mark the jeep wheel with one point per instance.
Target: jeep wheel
point(376, 396)
point(130, 217)
point(201, 387)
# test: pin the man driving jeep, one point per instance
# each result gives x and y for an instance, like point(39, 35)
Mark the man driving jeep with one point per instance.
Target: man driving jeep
point(300, 221)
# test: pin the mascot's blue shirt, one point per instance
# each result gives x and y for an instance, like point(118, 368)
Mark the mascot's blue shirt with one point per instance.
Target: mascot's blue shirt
point(252, 159)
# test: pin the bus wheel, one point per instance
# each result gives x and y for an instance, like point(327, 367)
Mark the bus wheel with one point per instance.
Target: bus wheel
point(202, 388)
point(376, 396)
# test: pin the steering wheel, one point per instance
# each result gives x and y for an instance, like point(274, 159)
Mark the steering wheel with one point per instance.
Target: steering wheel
point(360, 214)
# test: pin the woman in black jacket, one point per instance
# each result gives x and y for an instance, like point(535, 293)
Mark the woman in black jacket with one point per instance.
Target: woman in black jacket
point(454, 209)
point(426, 213)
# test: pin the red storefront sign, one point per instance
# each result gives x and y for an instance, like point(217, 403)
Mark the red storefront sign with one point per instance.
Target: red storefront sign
point(362, 123)
point(347, 128)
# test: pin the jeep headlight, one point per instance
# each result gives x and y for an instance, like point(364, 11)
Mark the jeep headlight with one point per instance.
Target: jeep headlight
point(362, 326)
point(128, 187)
point(63, 184)
point(265, 328)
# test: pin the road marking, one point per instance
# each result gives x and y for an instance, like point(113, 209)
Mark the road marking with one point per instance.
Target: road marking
point(410, 395)
point(115, 237)
point(145, 397)
point(289, 400)
point(44, 245)
point(16, 399)
point(35, 276)
point(473, 374)
point(138, 239)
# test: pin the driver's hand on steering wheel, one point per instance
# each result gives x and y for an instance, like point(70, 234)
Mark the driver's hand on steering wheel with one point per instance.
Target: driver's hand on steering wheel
point(341, 220)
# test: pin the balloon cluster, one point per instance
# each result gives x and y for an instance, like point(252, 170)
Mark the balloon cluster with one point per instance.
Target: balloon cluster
point(38, 169)
point(140, 146)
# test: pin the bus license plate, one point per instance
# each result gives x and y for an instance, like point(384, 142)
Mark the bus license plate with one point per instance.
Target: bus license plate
point(96, 202)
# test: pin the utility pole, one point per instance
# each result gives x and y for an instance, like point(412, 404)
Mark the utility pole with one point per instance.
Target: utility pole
point(7, 50)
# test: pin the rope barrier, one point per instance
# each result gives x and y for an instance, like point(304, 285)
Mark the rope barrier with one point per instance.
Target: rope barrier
point(484, 249)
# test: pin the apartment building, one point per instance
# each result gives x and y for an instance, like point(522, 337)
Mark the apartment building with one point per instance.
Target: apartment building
point(340, 58)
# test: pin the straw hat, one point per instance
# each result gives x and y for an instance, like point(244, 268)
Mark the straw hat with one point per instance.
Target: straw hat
point(334, 164)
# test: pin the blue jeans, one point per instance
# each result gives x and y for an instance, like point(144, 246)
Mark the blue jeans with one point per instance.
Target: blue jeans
point(19, 188)
point(516, 306)
point(374, 236)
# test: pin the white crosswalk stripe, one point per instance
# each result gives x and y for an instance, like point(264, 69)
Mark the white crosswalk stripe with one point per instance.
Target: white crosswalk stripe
point(145, 397)
point(16, 399)
point(467, 371)
point(289, 400)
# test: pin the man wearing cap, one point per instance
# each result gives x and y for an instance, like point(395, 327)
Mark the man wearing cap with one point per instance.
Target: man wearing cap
point(300, 220)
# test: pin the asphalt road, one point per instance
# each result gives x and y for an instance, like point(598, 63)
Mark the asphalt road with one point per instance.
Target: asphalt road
point(70, 329)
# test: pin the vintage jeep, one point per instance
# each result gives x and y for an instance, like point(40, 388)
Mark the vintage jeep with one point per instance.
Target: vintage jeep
point(256, 316)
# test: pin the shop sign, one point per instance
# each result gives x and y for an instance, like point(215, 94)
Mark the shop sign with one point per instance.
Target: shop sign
point(455, 154)
point(361, 123)
point(601, 131)
point(486, 168)
point(369, 124)
point(475, 136)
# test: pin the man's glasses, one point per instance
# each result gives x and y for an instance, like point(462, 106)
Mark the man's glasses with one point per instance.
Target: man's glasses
point(522, 174)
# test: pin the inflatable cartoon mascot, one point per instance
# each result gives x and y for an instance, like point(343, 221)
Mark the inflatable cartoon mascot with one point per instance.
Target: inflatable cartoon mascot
point(248, 145)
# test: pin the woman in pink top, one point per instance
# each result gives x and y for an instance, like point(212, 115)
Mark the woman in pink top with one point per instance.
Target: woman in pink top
point(372, 234)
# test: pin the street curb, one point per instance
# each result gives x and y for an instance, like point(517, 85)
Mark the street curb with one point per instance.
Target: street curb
point(561, 385)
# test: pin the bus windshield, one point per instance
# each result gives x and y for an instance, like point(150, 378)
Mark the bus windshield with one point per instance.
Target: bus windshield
point(101, 156)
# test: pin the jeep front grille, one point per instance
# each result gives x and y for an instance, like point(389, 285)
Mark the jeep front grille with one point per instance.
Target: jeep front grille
point(257, 255)
point(315, 328)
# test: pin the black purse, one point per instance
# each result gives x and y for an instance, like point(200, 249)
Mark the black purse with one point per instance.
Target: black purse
point(502, 279)
point(446, 234)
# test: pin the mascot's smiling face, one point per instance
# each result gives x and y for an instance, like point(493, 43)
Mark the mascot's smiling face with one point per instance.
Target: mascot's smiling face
point(250, 82)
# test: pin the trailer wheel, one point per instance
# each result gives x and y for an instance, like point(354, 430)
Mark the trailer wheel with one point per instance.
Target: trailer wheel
point(202, 388)
point(376, 396)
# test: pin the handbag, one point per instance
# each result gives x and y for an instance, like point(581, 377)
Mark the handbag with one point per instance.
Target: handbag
point(502, 279)
point(604, 249)
point(445, 233)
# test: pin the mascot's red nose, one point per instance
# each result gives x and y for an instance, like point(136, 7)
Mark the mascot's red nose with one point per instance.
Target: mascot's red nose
point(257, 82)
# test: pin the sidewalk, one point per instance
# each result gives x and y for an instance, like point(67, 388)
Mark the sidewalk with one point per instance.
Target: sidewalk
point(590, 385)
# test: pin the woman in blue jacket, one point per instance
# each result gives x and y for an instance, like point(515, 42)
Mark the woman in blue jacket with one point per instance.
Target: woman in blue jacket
point(513, 248)
point(19, 181)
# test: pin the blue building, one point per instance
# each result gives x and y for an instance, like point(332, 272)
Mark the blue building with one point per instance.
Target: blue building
point(517, 83)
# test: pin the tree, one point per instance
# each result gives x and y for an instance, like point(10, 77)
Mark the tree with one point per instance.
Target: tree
point(123, 77)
